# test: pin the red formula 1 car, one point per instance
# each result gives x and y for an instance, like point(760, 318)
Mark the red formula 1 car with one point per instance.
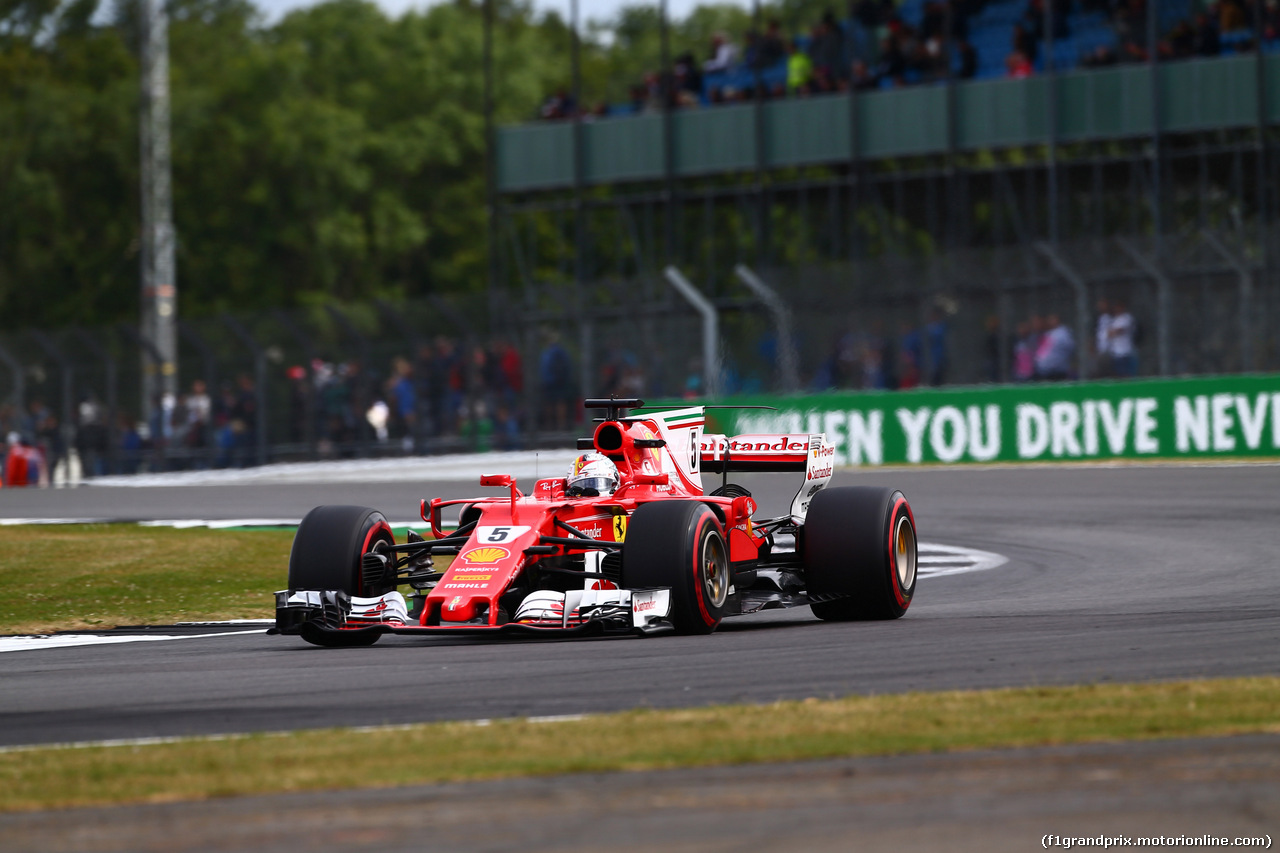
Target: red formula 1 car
point(629, 542)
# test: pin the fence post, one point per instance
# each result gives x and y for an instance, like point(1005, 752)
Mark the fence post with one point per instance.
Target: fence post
point(113, 415)
point(1163, 298)
point(210, 380)
point(415, 343)
point(309, 402)
point(1081, 289)
point(151, 351)
point(710, 330)
point(68, 431)
point(1246, 296)
point(19, 394)
point(363, 397)
point(788, 362)
point(260, 371)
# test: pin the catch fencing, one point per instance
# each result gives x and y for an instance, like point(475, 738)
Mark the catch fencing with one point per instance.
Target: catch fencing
point(330, 382)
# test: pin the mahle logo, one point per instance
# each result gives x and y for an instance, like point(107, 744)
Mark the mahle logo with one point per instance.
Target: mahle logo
point(486, 555)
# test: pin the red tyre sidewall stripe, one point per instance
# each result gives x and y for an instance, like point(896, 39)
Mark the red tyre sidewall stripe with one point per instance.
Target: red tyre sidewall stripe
point(903, 601)
point(697, 581)
point(364, 549)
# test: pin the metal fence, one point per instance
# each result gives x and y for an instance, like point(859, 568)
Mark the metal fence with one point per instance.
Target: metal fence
point(481, 373)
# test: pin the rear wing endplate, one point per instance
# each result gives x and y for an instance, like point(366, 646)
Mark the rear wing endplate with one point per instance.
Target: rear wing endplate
point(793, 452)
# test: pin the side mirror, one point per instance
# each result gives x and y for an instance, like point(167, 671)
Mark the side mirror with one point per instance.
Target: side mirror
point(496, 480)
point(651, 479)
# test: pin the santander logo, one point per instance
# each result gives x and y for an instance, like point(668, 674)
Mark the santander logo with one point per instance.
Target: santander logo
point(646, 605)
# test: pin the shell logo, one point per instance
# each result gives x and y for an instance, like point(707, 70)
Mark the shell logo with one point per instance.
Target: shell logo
point(483, 556)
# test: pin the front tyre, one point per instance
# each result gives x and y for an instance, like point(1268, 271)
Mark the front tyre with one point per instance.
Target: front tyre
point(329, 544)
point(679, 544)
point(326, 556)
point(860, 548)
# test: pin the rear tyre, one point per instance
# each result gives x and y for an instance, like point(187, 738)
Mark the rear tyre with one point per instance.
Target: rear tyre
point(679, 544)
point(860, 545)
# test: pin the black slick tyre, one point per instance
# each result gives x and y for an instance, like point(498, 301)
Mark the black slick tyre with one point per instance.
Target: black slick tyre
point(679, 544)
point(329, 544)
point(326, 556)
point(860, 552)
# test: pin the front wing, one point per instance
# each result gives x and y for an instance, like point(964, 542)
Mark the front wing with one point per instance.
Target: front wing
point(616, 611)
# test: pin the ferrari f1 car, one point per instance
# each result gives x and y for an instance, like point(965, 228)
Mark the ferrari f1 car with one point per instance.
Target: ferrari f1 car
point(630, 542)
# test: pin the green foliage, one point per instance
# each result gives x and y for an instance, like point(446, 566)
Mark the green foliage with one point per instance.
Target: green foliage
point(338, 154)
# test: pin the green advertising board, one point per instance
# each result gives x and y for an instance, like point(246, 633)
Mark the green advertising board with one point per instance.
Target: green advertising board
point(1225, 417)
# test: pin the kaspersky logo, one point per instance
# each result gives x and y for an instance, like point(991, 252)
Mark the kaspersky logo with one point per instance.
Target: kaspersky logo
point(485, 555)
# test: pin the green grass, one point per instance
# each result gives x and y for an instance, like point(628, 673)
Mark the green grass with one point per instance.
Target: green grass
point(636, 740)
point(55, 578)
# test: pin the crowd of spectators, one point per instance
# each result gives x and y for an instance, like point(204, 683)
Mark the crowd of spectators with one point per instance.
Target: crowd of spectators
point(876, 359)
point(1043, 348)
point(876, 48)
point(463, 395)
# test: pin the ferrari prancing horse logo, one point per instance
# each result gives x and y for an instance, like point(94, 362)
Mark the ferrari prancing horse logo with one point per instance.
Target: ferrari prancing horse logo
point(620, 527)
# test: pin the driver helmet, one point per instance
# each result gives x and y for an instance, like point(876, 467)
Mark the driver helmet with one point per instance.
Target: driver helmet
point(591, 474)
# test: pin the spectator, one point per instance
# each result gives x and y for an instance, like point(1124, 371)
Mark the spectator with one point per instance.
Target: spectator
point(1101, 57)
point(199, 414)
point(936, 339)
point(991, 349)
point(1102, 341)
point(912, 355)
point(1180, 43)
point(826, 49)
point(51, 446)
point(404, 402)
point(968, 60)
point(861, 77)
point(1024, 350)
point(773, 48)
point(18, 468)
point(92, 437)
point(511, 371)
point(1025, 43)
point(1205, 40)
point(1055, 352)
point(559, 106)
point(893, 61)
point(723, 55)
point(1121, 333)
point(688, 78)
point(1018, 65)
point(799, 70)
point(131, 445)
point(1232, 16)
point(555, 374)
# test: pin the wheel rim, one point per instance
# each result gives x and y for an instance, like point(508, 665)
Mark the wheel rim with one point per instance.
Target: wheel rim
point(715, 570)
point(904, 548)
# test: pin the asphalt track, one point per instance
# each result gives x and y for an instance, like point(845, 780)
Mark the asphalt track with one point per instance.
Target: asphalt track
point(986, 802)
point(1114, 574)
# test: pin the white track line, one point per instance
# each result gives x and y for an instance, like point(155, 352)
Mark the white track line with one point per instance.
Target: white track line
point(64, 641)
point(157, 741)
point(467, 466)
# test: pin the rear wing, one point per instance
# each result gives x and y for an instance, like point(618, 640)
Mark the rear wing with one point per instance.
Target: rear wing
point(748, 453)
point(755, 452)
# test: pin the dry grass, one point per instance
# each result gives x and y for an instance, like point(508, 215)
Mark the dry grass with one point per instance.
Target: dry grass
point(55, 578)
point(905, 723)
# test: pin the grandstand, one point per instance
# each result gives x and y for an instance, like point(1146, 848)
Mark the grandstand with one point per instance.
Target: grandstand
point(991, 199)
